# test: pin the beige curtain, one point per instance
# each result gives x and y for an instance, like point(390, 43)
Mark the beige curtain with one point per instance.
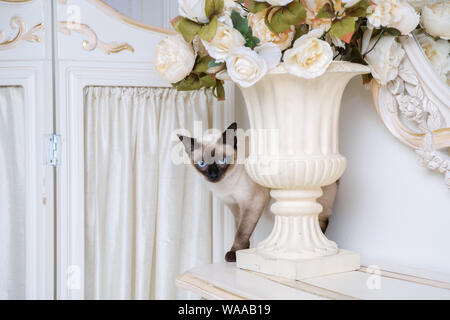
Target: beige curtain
point(147, 219)
point(12, 193)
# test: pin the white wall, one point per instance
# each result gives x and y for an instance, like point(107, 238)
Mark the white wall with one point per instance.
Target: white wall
point(388, 208)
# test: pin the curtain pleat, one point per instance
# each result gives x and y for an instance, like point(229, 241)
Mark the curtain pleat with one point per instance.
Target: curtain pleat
point(12, 193)
point(147, 219)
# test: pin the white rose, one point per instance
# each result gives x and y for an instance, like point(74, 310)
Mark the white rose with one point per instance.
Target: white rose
point(193, 10)
point(407, 18)
point(419, 4)
point(245, 67)
point(174, 58)
point(263, 33)
point(384, 59)
point(436, 20)
point(276, 2)
point(226, 39)
point(310, 57)
point(271, 53)
point(438, 52)
point(381, 13)
point(397, 14)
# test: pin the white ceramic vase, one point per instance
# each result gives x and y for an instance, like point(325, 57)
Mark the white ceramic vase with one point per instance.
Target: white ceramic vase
point(294, 151)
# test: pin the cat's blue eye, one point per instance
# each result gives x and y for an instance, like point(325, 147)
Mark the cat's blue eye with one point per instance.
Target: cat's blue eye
point(201, 164)
point(224, 161)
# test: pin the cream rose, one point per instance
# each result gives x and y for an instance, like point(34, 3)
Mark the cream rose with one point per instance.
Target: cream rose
point(436, 20)
point(226, 39)
point(407, 20)
point(193, 10)
point(245, 67)
point(419, 4)
point(397, 14)
point(174, 58)
point(271, 53)
point(381, 13)
point(263, 33)
point(314, 5)
point(310, 57)
point(384, 59)
point(276, 2)
point(317, 23)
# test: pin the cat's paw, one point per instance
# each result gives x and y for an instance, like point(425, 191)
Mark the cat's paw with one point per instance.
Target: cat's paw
point(230, 256)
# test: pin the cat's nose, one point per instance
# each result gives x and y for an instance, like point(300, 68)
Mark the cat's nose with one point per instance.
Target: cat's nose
point(214, 174)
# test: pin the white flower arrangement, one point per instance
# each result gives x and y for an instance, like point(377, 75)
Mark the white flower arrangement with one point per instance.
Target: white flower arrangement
point(433, 34)
point(248, 38)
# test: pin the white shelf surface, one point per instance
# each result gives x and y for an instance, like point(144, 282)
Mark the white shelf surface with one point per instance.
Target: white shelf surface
point(225, 281)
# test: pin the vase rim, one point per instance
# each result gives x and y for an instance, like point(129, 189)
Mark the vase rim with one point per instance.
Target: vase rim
point(335, 67)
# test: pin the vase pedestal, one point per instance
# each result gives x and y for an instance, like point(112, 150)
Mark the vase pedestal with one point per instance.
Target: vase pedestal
point(294, 151)
point(297, 248)
point(343, 261)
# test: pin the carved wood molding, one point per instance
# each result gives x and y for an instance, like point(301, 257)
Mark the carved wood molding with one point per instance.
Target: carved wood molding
point(22, 34)
point(415, 108)
point(93, 42)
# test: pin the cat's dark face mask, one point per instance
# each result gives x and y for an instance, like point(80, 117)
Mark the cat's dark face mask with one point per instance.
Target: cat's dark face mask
point(214, 159)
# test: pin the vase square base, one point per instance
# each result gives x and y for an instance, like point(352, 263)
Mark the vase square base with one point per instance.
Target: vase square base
point(344, 261)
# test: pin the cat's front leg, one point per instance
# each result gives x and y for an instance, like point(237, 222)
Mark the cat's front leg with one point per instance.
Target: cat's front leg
point(247, 224)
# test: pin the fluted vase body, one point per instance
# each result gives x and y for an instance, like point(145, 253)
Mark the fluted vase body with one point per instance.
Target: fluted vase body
point(294, 151)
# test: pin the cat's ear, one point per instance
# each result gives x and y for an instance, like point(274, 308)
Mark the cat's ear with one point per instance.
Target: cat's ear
point(190, 144)
point(229, 135)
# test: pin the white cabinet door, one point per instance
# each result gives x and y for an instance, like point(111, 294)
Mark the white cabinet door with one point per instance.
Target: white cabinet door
point(26, 182)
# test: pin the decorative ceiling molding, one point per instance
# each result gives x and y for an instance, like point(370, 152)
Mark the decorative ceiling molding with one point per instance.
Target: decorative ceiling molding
point(110, 11)
point(415, 108)
point(92, 42)
point(16, 1)
point(23, 34)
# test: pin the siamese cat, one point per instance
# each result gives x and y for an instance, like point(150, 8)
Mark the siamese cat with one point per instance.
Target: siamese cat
point(215, 158)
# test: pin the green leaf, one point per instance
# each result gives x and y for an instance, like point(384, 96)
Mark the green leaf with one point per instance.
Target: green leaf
point(239, 23)
point(187, 28)
point(280, 19)
point(343, 29)
point(190, 83)
point(220, 4)
point(255, 7)
point(202, 64)
point(208, 31)
point(213, 7)
point(250, 40)
point(219, 90)
point(300, 31)
point(213, 63)
point(326, 12)
point(359, 9)
point(393, 32)
point(208, 81)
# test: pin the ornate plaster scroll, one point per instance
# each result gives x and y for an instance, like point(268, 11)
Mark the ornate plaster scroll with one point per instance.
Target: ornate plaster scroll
point(415, 108)
point(22, 33)
point(92, 42)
